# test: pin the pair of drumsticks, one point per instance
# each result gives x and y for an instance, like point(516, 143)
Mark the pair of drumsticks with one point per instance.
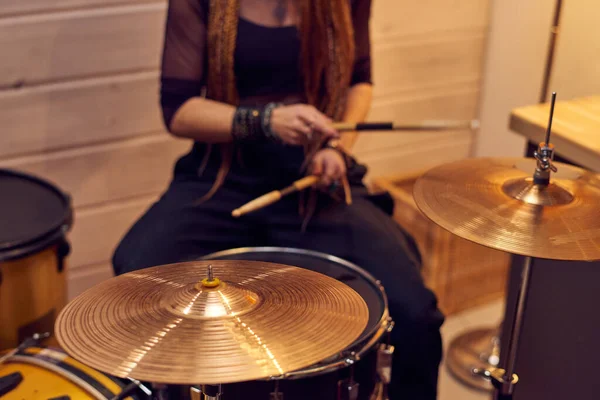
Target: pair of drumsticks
point(308, 181)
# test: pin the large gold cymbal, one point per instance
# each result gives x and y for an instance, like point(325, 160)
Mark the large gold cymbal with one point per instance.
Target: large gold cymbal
point(493, 202)
point(164, 324)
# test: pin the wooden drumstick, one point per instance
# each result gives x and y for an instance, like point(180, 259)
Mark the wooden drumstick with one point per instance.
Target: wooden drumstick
point(274, 196)
point(427, 125)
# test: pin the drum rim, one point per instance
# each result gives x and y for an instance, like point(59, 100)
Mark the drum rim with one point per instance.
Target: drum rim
point(378, 329)
point(19, 249)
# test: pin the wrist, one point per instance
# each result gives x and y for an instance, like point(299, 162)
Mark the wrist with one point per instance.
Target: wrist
point(253, 124)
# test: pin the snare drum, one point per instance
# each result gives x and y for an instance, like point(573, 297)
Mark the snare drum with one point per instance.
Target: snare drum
point(352, 275)
point(51, 374)
point(34, 219)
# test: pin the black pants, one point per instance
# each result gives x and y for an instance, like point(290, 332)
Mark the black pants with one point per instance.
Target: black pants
point(175, 230)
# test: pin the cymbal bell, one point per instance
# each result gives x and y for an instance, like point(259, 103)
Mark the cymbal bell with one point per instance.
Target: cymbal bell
point(172, 324)
point(494, 202)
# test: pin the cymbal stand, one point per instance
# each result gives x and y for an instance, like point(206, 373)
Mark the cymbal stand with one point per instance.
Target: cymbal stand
point(206, 392)
point(504, 380)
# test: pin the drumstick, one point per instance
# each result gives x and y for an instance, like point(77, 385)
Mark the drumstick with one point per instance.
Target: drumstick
point(274, 196)
point(427, 125)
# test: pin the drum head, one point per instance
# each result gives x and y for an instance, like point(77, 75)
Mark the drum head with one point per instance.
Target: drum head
point(352, 275)
point(33, 212)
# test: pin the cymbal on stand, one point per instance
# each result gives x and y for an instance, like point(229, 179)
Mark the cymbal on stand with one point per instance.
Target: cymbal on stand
point(494, 202)
point(251, 320)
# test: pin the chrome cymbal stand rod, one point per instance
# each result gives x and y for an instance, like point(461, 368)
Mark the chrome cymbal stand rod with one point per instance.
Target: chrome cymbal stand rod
point(504, 380)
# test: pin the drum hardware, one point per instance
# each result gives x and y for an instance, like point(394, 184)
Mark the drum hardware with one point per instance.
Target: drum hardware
point(477, 349)
point(29, 342)
point(276, 394)
point(348, 388)
point(206, 392)
point(135, 324)
point(131, 388)
point(492, 202)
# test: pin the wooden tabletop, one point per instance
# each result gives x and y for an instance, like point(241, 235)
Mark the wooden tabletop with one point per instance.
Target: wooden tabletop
point(575, 128)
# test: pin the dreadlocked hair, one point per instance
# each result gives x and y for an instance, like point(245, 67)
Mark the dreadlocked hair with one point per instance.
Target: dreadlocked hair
point(327, 58)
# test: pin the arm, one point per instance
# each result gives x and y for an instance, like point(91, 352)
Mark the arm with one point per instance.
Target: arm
point(187, 114)
point(357, 109)
point(361, 90)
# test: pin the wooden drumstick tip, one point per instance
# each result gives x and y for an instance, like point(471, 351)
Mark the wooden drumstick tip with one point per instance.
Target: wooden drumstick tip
point(236, 213)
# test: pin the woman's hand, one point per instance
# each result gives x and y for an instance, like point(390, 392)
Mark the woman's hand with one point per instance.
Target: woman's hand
point(329, 165)
point(295, 124)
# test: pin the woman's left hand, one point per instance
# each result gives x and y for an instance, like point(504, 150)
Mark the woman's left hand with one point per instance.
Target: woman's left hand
point(329, 165)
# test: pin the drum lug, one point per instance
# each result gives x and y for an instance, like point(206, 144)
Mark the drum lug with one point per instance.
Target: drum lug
point(348, 389)
point(63, 250)
point(385, 355)
point(276, 394)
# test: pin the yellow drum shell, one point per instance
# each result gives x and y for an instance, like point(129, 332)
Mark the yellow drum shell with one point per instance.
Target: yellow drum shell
point(32, 293)
point(43, 382)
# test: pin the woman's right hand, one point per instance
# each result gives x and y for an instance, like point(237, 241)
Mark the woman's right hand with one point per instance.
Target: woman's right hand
point(295, 124)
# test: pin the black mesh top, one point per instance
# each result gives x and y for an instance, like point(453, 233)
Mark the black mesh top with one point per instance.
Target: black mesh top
point(266, 58)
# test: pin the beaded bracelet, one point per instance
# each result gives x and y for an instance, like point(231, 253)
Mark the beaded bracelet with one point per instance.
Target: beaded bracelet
point(251, 124)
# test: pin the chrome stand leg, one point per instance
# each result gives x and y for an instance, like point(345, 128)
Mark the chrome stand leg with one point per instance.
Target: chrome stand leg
point(476, 349)
point(385, 354)
point(348, 388)
point(207, 392)
point(276, 394)
point(505, 380)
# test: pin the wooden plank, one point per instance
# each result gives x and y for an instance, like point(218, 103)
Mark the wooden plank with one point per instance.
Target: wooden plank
point(417, 157)
point(437, 60)
point(38, 6)
point(51, 47)
point(108, 172)
point(56, 116)
point(457, 101)
point(445, 104)
point(406, 17)
point(81, 279)
point(97, 231)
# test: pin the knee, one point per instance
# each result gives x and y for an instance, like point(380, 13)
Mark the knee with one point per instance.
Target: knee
point(137, 251)
point(123, 258)
point(419, 314)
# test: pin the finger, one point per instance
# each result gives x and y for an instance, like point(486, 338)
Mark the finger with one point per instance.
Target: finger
point(293, 138)
point(332, 170)
point(318, 122)
point(317, 167)
point(303, 128)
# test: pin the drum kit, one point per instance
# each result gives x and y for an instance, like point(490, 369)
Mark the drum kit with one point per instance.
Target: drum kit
point(274, 314)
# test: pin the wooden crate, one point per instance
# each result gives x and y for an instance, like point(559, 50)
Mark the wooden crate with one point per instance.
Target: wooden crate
point(461, 273)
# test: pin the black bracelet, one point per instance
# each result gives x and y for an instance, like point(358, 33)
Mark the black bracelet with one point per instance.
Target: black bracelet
point(252, 124)
point(266, 122)
point(334, 145)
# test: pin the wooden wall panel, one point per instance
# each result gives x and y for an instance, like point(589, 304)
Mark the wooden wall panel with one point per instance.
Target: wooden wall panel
point(418, 155)
point(69, 45)
point(97, 231)
point(436, 59)
point(11, 8)
point(72, 114)
point(407, 17)
point(110, 172)
point(81, 279)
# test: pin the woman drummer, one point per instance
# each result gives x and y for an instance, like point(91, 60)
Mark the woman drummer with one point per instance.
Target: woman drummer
point(256, 84)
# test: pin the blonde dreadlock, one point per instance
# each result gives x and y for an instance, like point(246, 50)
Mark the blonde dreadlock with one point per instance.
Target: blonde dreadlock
point(327, 40)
